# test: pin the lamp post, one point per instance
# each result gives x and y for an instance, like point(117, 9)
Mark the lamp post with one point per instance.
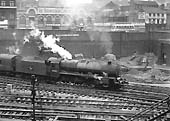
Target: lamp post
point(33, 93)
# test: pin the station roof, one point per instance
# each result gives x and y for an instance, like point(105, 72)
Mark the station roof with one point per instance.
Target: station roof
point(154, 10)
point(165, 41)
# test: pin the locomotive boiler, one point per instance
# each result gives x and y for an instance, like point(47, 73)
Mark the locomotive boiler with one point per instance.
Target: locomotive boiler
point(98, 73)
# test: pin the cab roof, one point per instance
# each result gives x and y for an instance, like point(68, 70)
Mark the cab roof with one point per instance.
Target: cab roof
point(7, 56)
point(54, 59)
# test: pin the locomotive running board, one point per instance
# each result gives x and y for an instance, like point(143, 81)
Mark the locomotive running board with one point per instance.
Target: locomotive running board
point(85, 75)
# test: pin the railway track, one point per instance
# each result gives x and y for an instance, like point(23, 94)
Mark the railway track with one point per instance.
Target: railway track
point(25, 110)
point(100, 104)
point(48, 89)
point(127, 102)
point(148, 88)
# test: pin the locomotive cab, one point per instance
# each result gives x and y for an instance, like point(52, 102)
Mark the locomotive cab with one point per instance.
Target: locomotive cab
point(53, 66)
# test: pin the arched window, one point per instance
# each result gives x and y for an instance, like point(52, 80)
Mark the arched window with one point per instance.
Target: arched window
point(22, 20)
point(49, 20)
point(40, 20)
point(31, 13)
point(57, 20)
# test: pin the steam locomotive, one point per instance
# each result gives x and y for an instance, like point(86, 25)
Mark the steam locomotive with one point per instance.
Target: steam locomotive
point(98, 73)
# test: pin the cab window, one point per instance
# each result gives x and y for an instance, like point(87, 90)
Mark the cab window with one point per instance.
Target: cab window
point(53, 65)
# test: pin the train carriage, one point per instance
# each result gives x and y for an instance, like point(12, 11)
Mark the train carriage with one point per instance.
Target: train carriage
point(31, 66)
point(8, 62)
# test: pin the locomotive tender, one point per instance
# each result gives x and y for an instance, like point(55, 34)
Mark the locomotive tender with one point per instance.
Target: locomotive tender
point(92, 72)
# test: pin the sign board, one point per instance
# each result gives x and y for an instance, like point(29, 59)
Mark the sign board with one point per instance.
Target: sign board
point(141, 15)
point(53, 11)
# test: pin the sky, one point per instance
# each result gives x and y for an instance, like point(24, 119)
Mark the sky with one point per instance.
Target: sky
point(96, 3)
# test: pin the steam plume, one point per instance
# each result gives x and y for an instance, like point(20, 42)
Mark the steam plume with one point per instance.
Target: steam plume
point(104, 38)
point(14, 49)
point(50, 42)
point(106, 42)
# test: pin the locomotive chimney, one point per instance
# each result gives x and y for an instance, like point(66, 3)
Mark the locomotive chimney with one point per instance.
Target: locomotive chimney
point(109, 62)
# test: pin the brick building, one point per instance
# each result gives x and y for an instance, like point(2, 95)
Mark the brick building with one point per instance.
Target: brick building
point(26, 13)
point(167, 8)
point(149, 12)
point(47, 15)
point(8, 13)
point(110, 13)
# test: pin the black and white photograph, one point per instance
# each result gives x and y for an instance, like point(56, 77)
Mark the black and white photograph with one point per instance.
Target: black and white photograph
point(84, 60)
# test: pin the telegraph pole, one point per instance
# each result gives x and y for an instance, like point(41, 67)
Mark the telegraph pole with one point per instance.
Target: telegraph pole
point(33, 93)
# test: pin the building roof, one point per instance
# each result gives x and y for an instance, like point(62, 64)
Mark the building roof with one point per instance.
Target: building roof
point(125, 8)
point(154, 10)
point(149, 3)
point(111, 5)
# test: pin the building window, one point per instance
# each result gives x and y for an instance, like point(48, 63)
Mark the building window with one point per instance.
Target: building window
point(11, 3)
point(22, 20)
point(40, 20)
point(153, 14)
point(150, 14)
point(158, 14)
point(162, 15)
point(57, 20)
point(11, 16)
point(49, 20)
point(32, 21)
point(2, 17)
point(163, 22)
point(31, 13)
point(152, 21)
point(22, 5)
point(3, 3)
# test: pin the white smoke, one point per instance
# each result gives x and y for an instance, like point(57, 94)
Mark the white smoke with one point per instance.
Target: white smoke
point(26, 39)
point(50, 42)
point(107, 43)
point(14, 49)
point(35, 33)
